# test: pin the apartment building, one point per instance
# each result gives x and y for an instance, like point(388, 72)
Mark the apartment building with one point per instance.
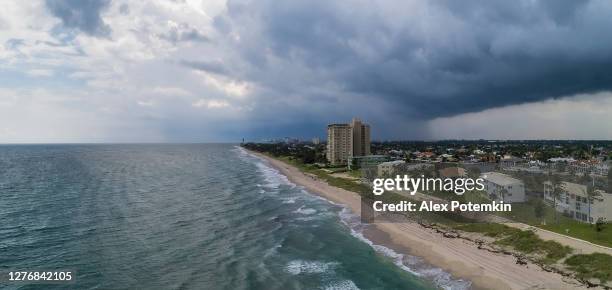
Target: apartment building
point(573, 202)
point(500, 186)
point(345, 141)
point(339, 143)
point(360, 138)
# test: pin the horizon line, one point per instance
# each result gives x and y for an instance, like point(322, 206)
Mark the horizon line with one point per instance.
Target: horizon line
point(302, 140)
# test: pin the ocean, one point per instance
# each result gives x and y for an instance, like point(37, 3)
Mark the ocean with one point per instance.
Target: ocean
point(192, 216)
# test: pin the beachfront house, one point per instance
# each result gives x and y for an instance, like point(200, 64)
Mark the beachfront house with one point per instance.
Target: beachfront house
point(573, 202)
point(503, 187)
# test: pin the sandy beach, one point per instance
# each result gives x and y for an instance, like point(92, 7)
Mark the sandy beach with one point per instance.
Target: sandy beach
point(461, 258)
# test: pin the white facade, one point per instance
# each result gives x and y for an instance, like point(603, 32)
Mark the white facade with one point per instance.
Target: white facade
point(573, 202)
point(582, 168)
point(500, 186)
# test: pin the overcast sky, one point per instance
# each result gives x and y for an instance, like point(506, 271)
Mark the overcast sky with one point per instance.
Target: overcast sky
point(216, 70)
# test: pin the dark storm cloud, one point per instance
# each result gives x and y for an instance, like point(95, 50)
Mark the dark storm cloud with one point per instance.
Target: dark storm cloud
point(83, 15)
point(427, 58)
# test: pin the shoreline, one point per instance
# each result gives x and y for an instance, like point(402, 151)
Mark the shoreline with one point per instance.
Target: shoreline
point(460, 258)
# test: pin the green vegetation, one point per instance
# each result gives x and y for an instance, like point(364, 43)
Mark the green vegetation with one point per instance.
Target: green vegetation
point(306, 154)
point(527, 213)
point(539, 209)
point(355, 173)
point(528, 242)
point(594, 265)
point(524, 241)
point(583, 231)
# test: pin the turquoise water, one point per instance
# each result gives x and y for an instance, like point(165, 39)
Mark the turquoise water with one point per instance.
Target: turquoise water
point(199, 216)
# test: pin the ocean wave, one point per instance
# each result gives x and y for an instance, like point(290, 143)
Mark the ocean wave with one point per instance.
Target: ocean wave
point(289, 200)
point(411, 264)
point(305, 211)
point(273, 250)
point(354, 224)
point(308, 219)
point(341, 285)
point(242, 153)
point(276, 178)
point(297, 267)
point(272, 177)
point(444, 279)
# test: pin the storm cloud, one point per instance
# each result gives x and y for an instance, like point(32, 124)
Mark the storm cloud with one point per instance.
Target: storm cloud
point(430, 58)
point(221, 70)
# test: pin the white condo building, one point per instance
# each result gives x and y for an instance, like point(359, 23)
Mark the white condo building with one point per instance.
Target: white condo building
point(500, 186)
point(573, 202)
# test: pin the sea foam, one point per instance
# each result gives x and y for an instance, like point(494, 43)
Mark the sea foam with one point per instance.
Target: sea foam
point(342, 285)
point(407, 263)
point(297, 267)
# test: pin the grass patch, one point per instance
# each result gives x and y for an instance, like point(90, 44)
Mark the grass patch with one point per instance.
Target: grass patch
point(524, 212)
point(596, 265)
point(583, 231)
point(528, 242)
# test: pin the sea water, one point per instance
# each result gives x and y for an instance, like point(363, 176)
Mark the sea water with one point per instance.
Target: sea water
point(184, 216)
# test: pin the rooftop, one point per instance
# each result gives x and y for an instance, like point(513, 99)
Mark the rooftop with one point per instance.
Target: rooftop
point(500, 178)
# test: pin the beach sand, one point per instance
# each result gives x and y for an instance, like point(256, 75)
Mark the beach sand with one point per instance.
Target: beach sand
point(459, 257)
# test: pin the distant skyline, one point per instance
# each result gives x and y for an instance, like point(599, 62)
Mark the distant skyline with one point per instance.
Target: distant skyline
point(87, 71)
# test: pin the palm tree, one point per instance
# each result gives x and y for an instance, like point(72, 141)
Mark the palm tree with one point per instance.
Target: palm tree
point(556, 191)
point(591, 194)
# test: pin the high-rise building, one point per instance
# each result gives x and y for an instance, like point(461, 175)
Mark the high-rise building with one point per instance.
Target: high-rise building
point(347, 140)
point(360, 138)
point(339, 141)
